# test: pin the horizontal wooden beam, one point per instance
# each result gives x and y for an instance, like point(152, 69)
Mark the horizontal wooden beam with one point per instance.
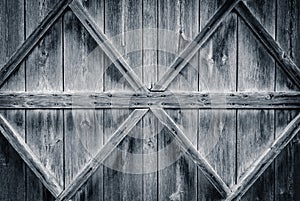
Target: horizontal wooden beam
point(15, 60)
point(107, 46)
point(33, 162)
point(183, 100)
point(93, 164)
point(187, 54)
point(258, 168)
point(189, 149)
point(286, 63)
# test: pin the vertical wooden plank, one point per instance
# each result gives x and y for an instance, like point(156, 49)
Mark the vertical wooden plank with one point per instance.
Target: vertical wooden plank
point(166, 20)
point(122, 19)
point(217, 73)
point(256, 72)
point(44, 128)
point(150, 131)
point(12, 169)
point(287, 177)
point(167, 11)
point(83, 71)
point(178, 181)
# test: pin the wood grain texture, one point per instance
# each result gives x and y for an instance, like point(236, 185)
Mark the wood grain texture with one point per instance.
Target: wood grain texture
point(12, 168)
point(217, 74)
point(173, 100)
point(284, 61)
point(106, 45)
point(83, 71)
point(18, 56)
point(33, 162)
point(194, 46)
point(260, 166)
point(181, 19)
point(149, 122)
point(286, 165)
point(189, 149)
point(256, 72)
point(44, 74)
point(121, 18)
point(92, 166)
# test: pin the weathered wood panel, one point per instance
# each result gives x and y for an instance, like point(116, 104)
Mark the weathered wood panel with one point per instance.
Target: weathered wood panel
point(287, 186)
point(20, 54)
point(44, 131)
point(121, 17)
point(66, 140)
point(83, 71)
point(181, 19)
point(256, 72)
point(183, 100)
point(149, 122)
point(188, 53)
point(187, 19)
point(12, 169)
point(217, 73)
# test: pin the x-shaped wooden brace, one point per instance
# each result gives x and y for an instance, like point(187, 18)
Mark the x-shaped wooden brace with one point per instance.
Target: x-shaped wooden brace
point(228, 193)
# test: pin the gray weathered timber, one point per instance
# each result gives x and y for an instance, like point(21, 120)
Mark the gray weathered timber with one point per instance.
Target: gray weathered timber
point(105, 44)
point(256, 72)
point(121, 17)
point(83, 71)
point(286, 63)
point(217, 74)
point(184, 22)
point(33, 162)
point(93, 164)
point(44, 73)
point(194, 46)
point(183, 100)
point(11, 66)
point(189, 149)
point(287, 186)
point(181, 20)
point(149, 122)
point(265, 159)
point(12, 168)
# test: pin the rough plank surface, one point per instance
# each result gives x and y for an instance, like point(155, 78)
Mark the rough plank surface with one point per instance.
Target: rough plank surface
point(83, 71)
point(15, 60)
point(217, 73)
point(183, 100)
point(149, 122)
point(93, 164)
point(194, 46)
point(33, 162)
point(260, 166)
point(121, 17)
point(178, 24)
point(256, 72)
point(287, 186)
point(284, 60)
point(12, 168)
point(44, 130)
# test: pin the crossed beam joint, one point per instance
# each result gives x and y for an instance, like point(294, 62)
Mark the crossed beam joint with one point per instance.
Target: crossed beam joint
point(237, 191)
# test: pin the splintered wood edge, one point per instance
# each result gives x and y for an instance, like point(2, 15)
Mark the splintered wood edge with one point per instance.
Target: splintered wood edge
point(104, 152)
point(33, 162)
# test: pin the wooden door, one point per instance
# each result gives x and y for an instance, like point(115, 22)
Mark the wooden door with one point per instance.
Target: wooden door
point(141, 100)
